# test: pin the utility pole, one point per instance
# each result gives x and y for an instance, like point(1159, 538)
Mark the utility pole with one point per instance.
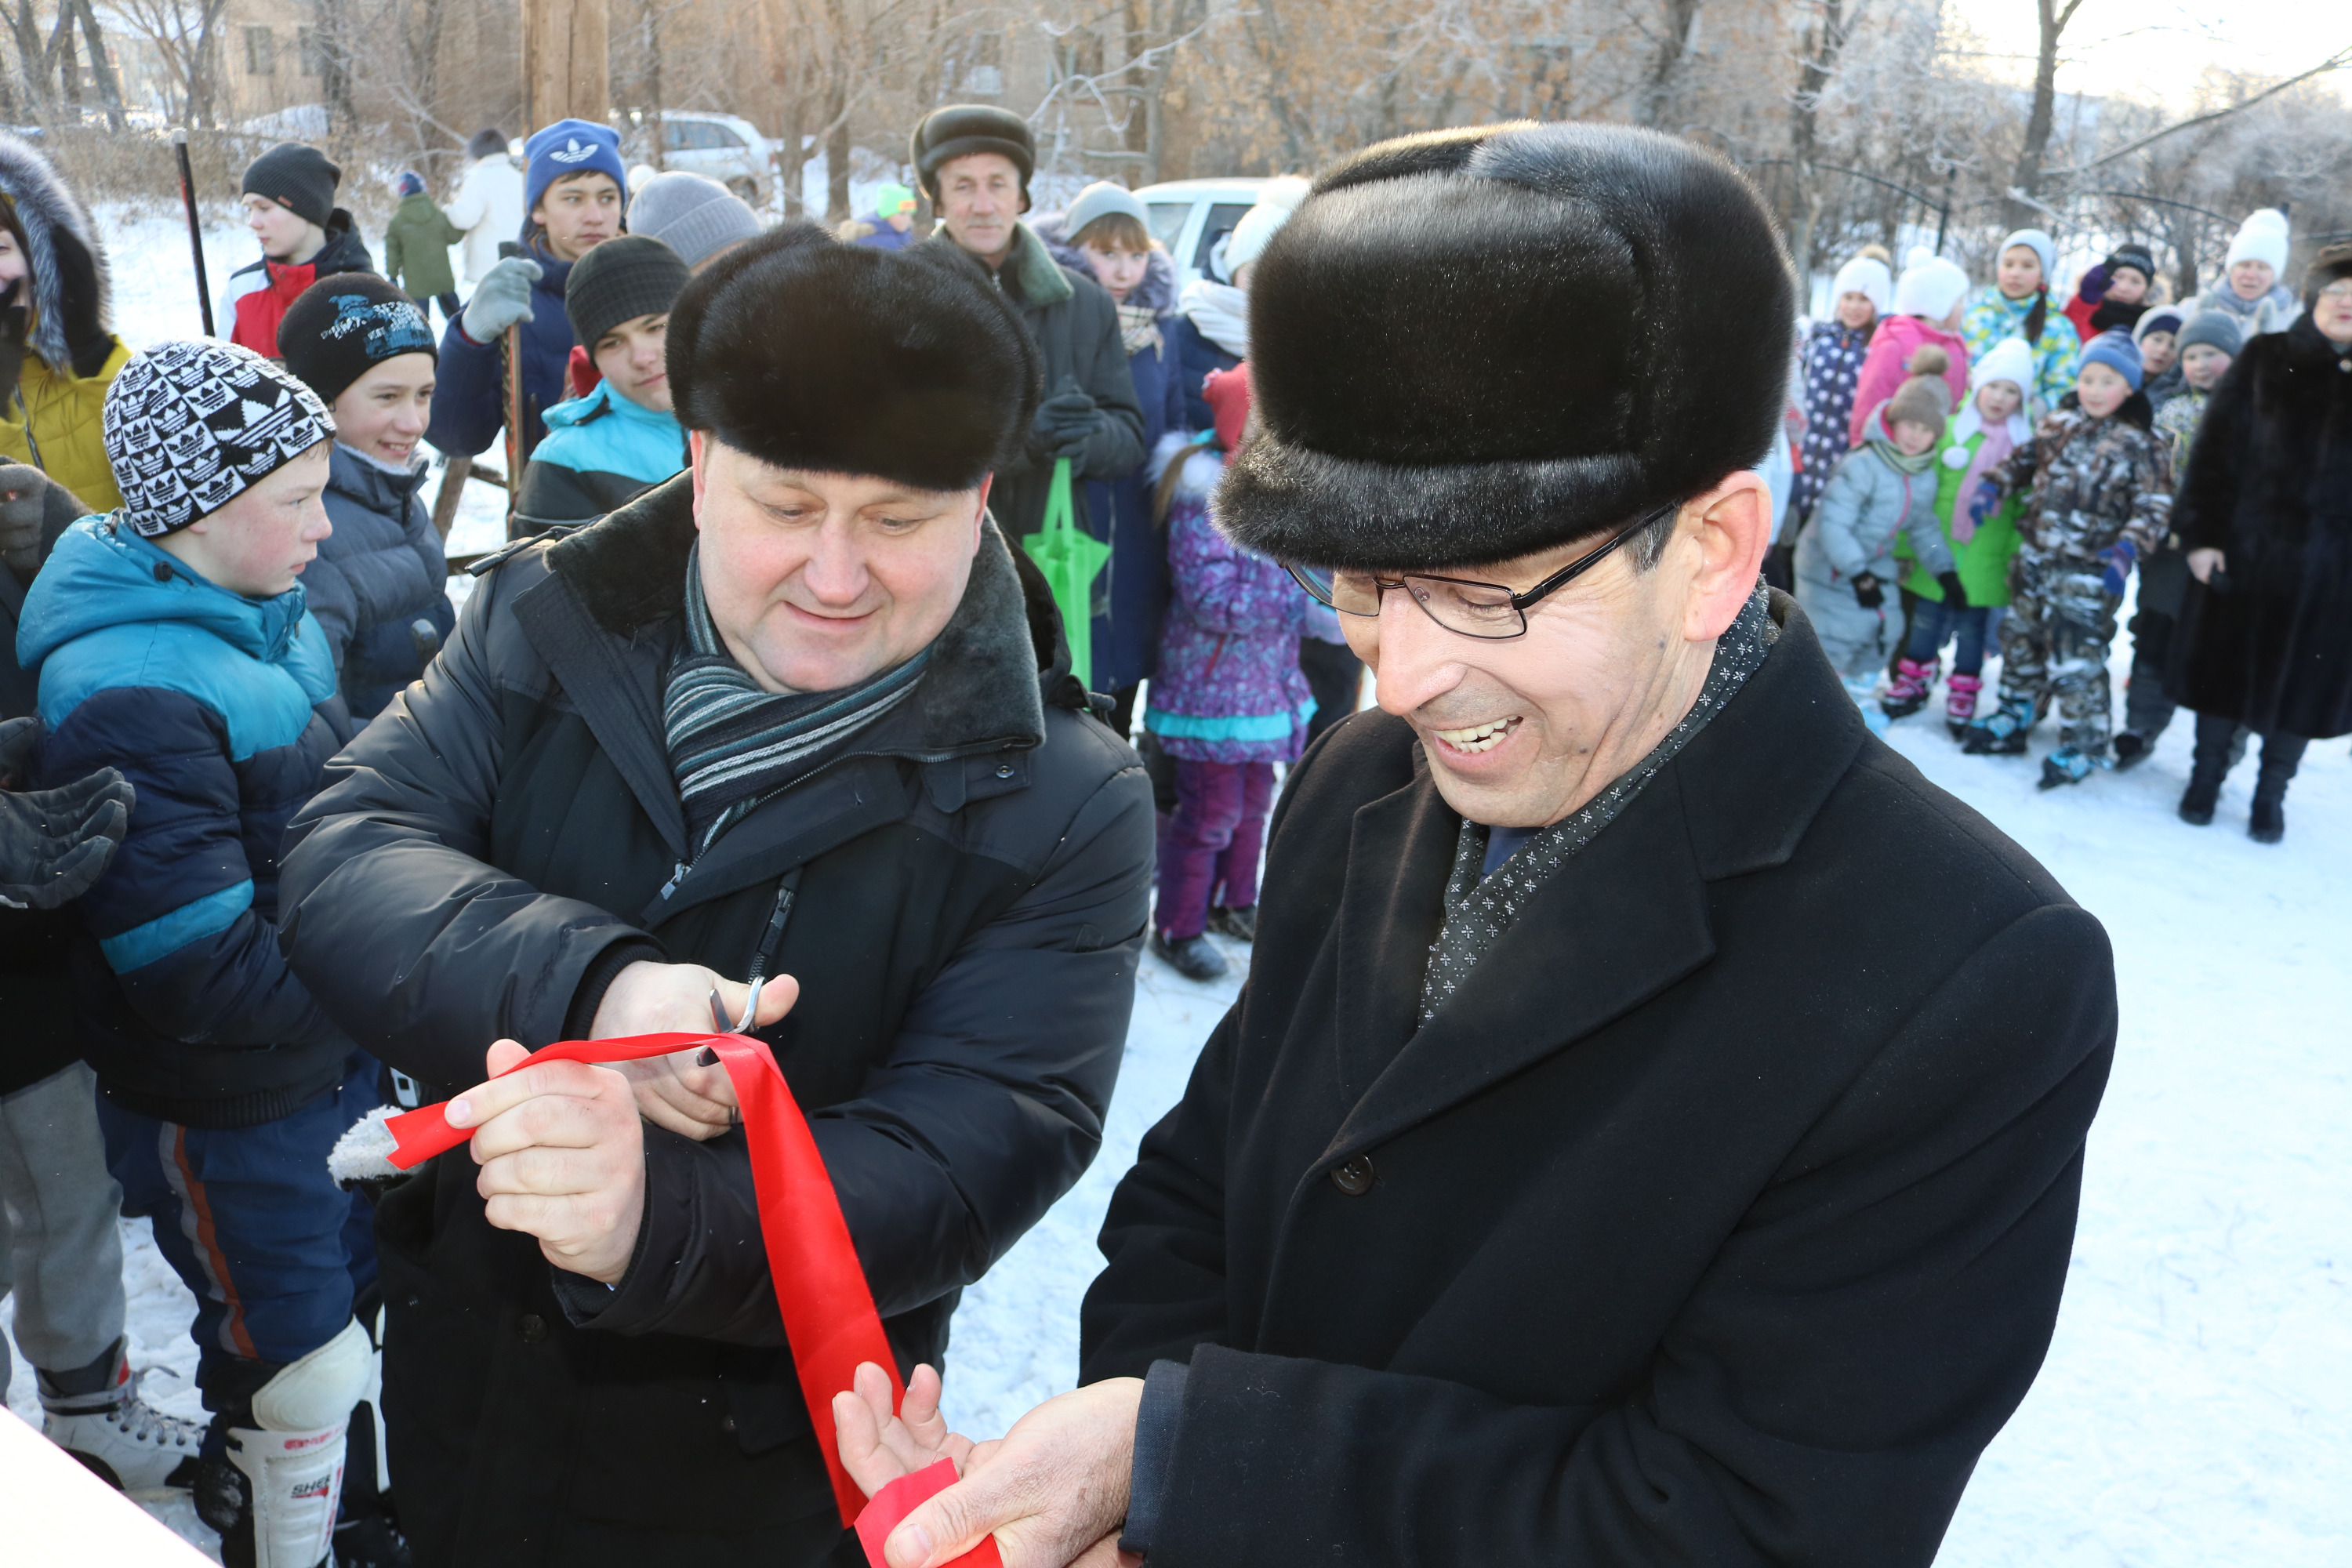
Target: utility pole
point(563, 62)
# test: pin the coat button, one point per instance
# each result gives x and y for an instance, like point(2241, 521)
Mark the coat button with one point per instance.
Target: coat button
point(1356, 1177)
point(533, 1327)
point(1004, 770)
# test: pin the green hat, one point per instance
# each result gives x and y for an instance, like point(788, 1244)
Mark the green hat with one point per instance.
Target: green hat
point(892, 200)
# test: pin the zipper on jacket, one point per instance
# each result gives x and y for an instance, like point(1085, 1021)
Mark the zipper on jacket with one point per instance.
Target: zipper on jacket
point(676, 875)
point(787, 887)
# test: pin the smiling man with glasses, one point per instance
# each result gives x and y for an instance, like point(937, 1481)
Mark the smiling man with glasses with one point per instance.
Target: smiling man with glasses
point(1652, 1129)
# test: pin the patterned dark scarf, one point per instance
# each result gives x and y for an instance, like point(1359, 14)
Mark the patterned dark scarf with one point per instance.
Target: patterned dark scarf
point(732, 743)
point(1477, 912)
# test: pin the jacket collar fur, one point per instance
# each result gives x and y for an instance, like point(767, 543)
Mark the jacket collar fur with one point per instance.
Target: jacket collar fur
point(994, 667)
point(46, 207)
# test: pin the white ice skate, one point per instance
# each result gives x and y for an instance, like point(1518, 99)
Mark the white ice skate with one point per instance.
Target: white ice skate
point(119, 1436)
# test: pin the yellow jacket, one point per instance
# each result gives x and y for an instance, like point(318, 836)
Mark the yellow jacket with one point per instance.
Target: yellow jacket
point(64, 412)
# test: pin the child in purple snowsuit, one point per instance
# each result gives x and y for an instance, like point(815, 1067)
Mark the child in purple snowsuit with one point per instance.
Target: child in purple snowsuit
point(1228, 703)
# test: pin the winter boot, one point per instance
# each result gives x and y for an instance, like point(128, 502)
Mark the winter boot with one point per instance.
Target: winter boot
point(2066, 765)
point(2266, 824)
point(1960, 703)
point(2131, 749)
point(2209, 765)
point(1907, 692)
point(1241, 924)
point(1193, 957)
point(2002, 733)
point(95, 1414)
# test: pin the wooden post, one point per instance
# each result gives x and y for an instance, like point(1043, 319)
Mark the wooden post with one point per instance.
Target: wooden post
point(564, 67)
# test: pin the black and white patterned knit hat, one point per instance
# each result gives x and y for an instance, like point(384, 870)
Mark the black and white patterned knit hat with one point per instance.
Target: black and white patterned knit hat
point(191, 425)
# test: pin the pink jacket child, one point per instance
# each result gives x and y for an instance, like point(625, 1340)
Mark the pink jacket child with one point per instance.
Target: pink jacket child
point(1927, 305)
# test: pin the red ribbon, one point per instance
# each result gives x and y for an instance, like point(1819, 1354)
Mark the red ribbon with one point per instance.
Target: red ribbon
point(900, 1498)
point(828, 1310)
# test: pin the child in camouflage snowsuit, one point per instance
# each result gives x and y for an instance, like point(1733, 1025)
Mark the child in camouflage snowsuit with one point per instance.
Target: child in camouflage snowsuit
point(2101, 498)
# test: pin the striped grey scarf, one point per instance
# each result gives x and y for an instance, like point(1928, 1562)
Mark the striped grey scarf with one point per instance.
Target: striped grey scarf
point(1478, 911)
point(732, 743)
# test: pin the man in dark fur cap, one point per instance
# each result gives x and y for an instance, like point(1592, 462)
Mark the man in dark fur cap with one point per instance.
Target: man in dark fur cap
point(798, 712)
point(1607, 1162)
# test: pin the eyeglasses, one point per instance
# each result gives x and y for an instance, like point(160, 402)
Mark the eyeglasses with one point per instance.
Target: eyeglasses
point(1472, 609)
point(2338, 293)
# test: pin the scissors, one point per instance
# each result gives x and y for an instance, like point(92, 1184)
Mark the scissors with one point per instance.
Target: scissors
point(718, 1019)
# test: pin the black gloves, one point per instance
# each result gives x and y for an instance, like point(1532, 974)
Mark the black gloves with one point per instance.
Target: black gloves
point(54, 842)
point(1867, 592)
point(1065, 422)
point(1954, 595)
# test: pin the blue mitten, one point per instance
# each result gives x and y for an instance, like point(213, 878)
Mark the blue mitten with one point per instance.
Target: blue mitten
point(1985, 502)
point(2119, 559)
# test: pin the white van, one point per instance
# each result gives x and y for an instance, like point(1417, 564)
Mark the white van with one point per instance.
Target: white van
point(1189, 217)
point(723, 147)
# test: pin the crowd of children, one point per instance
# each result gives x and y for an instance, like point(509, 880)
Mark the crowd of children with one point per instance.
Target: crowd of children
point(2031, 507)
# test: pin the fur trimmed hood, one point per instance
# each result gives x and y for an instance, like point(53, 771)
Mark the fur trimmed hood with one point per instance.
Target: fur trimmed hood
point(807, 354)
point(46, 208)
point(1473, 344)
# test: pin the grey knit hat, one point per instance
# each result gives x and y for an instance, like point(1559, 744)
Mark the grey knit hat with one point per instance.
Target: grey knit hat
point(190, 427)
point(1100, 200)
point(630, 276)
point(2215, 330)
point(693, 214)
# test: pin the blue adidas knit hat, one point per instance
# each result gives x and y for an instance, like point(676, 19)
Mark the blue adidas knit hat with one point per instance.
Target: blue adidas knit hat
point(2115, 350)
point(570, 147)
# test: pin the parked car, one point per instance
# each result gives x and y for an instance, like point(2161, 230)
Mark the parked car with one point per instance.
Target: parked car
point(1189, 217)
point(725, 147)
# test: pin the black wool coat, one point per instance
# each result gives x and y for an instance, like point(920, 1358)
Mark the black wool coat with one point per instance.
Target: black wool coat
point(2270, 486)
point(969, 904)
point(1720, 1218)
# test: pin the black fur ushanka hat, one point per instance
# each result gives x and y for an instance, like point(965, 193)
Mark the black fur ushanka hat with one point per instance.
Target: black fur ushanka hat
point(807, 354)
point(1470, 345)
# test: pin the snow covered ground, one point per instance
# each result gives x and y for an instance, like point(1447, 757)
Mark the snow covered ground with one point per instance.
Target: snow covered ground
point(2196, 1404)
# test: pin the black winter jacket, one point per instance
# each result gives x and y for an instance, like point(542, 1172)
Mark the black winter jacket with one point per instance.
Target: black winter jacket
point(1720, 1218)
point(2270, 486)
point(1075, 324)
point(971, 903)
point(378, 575)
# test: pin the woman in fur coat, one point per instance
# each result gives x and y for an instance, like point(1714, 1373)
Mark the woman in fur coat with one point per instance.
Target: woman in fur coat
point(59, 352)
point(2265, 514)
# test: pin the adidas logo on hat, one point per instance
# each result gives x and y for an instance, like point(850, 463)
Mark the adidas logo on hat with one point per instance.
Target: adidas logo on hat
point(572, 152)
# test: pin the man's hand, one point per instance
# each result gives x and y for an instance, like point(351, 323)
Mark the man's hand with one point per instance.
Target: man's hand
point(1052, 1490)
point(879, 1445)
point(501, 299)
point(648, 998)
point(54, 842)
point(563, 1158)
point(2203, 563)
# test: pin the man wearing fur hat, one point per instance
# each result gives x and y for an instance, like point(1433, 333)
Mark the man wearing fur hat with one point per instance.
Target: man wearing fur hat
point(798, 712)
point(974, 163)
point(1607, 1161)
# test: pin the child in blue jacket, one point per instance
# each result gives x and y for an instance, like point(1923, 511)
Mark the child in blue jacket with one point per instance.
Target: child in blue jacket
point(172, 643)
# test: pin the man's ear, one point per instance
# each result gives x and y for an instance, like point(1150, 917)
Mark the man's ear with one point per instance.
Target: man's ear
point(1735, 527)
point(980, 514)
point(697, 455)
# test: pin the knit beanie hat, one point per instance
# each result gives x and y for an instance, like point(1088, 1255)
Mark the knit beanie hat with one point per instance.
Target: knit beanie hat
point(1275, 203)
point(488, 143)
point(893, 199)
point(630, 276)
point(1930, 287)
point(959, 131)
point(340, 328)
point(570, 147)
point(1926, 397)
point(412, 184)
point(2118, 352)
point(1100, 200)
point(2157, 319)
point(301, 179)
point(190, 427)
point(2214, 330)
point(2138, 258)
point(2261, 237)
point(2009, 360)
point(1227, 393)
point(2045, 248)
point(694, 215)
point(1867, 276)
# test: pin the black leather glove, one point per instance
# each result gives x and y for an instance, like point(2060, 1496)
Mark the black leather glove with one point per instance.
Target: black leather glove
point(1867, 592)
point(88, 338)
point(55, 843)
point(1955, 596)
